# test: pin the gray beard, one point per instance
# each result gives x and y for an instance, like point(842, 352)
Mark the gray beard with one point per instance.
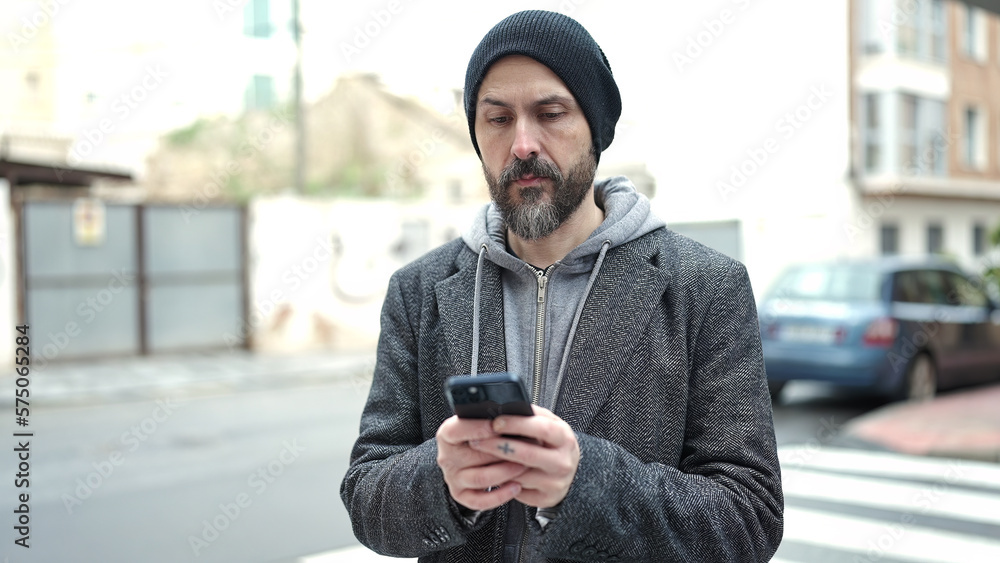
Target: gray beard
point(534, 219)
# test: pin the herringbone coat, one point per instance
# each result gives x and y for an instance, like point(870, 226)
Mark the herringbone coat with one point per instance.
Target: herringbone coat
point(665, 390)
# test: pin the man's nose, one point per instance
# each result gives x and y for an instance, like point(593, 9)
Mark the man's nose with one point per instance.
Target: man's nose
point(526, 140)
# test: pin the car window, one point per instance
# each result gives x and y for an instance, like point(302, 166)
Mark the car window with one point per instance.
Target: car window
point(932, 287)
point(830, 282)
point(964, 292)
point(906, 288)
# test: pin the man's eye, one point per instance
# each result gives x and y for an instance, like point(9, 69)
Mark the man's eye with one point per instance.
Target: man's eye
point(552, 115)
point(500, 120)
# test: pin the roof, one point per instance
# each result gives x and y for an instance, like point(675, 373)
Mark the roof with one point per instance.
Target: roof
point(22, 173)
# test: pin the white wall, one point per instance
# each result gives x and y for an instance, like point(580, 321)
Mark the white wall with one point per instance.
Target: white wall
point(756, 128)
point(305, 294)
point(8, 287)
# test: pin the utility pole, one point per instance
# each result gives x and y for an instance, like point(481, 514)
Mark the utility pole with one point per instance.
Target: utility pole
point(300, 133)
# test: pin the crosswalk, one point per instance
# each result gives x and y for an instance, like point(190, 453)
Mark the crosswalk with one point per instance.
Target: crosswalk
point(855, 506)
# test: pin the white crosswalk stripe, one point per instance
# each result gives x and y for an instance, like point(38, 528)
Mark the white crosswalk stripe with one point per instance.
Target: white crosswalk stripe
point(857, 506)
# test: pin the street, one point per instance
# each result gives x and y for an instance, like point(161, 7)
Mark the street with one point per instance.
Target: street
point(177, 489)
point(253, 476)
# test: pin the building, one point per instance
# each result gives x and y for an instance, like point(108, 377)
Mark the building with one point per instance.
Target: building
point(878, 133)
point(926, 124)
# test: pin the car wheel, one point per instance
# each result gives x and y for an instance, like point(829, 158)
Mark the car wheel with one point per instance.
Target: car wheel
point(774, 388)
point(921, 380)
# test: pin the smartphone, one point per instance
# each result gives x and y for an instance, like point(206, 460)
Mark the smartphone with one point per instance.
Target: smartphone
point(487, 395)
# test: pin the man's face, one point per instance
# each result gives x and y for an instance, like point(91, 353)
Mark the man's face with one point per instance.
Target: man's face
point(536, 146)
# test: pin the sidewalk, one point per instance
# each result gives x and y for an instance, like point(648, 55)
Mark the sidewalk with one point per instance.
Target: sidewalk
point(961, 424)
point(148, 377)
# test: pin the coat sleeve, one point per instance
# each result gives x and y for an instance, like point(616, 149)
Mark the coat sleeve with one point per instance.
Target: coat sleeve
point(394, 490)
point(723, 503)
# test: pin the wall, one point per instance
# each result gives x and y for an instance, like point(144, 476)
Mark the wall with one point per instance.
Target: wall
point(319, 268)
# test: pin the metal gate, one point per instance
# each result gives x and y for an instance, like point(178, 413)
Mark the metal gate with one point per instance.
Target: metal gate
point(143, 279)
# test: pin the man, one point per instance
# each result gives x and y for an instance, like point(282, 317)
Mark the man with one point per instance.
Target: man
point(652, 438)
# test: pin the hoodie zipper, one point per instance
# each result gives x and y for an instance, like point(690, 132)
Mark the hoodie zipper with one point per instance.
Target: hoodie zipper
point(536, 382)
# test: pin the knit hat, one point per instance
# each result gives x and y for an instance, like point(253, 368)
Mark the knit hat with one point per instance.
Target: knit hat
point(562, 44)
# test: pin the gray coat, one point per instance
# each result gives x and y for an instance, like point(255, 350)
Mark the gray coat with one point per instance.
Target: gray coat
point(665, 390)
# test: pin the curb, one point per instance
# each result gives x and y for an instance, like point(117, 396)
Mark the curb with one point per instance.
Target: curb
point(963, 424)
point(131, 379)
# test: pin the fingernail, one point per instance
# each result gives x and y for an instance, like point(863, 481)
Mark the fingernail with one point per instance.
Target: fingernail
point(473, 443)
point(499, 423)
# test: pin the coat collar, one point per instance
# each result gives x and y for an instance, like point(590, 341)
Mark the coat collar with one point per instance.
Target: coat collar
point(455, 296)
point(613, 321)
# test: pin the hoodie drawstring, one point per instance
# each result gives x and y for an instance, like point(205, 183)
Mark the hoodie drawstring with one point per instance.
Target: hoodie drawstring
point(475, 311)
point(576, 320)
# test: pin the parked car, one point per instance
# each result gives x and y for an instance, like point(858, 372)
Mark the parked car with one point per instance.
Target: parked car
point(904, 329)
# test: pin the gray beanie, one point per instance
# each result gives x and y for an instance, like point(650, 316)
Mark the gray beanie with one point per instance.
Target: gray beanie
point(562, 44)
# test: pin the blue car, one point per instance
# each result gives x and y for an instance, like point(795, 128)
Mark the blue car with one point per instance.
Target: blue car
point(903, 329)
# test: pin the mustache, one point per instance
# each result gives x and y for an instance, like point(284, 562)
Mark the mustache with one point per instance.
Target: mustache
point(529, 167)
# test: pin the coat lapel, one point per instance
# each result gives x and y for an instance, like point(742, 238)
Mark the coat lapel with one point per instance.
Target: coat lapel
point(455, 296)
point(618, 309)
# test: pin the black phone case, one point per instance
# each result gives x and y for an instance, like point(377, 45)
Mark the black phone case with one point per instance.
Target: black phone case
point(487, 395)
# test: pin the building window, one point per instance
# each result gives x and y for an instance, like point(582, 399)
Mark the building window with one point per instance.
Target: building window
point(973, 138)
point(908, 132)
point(872, 40)
point(978, 239)
point(257, 19)
point(939, 31)
point(872, 132)
point(935, 238)
point(921, 139)
point(973, 40)
point(921, 29)
point(889, 239)
point(260, 93)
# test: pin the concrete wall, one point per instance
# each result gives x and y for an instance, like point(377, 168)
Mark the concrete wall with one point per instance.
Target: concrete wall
point(319, 268)
point(8, 282)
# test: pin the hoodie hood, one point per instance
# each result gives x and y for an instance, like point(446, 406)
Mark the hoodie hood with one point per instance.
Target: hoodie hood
point(627, 216)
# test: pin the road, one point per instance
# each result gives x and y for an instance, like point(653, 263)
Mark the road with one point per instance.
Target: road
point(253, 476)
point(247, 476)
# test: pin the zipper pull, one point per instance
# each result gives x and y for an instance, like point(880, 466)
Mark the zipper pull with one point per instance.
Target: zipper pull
point(542, 279)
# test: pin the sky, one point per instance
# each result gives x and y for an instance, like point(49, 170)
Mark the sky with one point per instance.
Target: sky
point(702, 83)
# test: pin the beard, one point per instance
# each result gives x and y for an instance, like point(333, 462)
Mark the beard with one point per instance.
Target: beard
point(532, 218)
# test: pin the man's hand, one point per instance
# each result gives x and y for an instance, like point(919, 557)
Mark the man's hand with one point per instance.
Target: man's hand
point(476, 479)
point(551, 459)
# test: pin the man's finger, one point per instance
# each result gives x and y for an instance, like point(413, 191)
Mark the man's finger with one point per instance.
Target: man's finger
point(551, 432)
point(481, 499)
point(484, 477)
point(457, 431)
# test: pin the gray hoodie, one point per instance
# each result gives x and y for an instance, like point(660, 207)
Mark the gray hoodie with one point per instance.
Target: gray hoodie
point(552, 305)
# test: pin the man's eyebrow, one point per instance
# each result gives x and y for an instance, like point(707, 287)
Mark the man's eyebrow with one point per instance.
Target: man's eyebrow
point(546, 101)
point(556, 99)
point(494, 102)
